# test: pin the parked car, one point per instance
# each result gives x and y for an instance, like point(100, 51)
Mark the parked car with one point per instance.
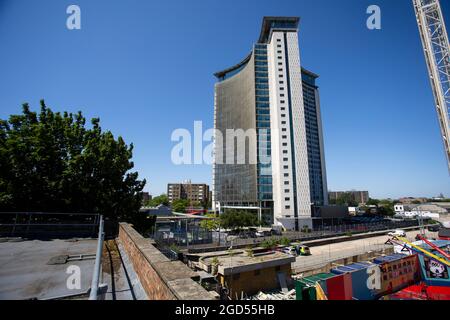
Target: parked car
point(290, 250)
point(259, 234)
point(397, 233)
point(301, 249)
point(434, 227)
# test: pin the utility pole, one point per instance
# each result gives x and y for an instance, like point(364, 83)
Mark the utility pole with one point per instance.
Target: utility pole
point(437, 55)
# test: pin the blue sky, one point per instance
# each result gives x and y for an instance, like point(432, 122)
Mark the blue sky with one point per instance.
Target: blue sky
point(146, 68)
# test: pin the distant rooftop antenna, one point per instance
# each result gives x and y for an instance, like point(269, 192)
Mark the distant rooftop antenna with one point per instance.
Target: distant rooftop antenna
point(437, 55)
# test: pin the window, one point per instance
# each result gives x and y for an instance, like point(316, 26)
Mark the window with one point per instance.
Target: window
point(281, 94)
point(279, 57)
point(285, 167)
point(280, 63)
point(284, 137)
point(285, 159)
point(286, 207)
point(287, 190)
point(283, 115)
point(281, 88)
point(282, 101)
point(287, 199)
point(278, 40)
point(286, 174)
point(284, 144)
point(278, 45)
point(283, 122)
point(281, 70)
point(285, 151)
point(280, 82)
point(286, 182)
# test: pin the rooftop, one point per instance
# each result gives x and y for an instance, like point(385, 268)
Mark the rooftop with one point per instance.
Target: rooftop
point(37, 269)
point(277, 23)
point(240, 261)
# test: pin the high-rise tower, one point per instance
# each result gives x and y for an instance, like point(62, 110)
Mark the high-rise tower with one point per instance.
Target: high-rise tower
point(265, 165)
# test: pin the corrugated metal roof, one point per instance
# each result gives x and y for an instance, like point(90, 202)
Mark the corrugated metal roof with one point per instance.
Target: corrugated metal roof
point(312, 280)
point(389, 258)
point(351, 267)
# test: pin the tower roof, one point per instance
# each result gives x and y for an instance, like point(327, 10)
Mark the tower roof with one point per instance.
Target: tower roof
point(279, 23)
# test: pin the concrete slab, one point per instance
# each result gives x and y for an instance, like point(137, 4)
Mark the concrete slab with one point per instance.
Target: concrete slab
point(26, 274)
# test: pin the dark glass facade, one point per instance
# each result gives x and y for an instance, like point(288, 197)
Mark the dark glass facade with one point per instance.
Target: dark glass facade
point(313, 138)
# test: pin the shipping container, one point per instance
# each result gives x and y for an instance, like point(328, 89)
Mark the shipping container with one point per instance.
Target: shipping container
point(310, 282)
point(397, 272)
point(340, 287)
point(359, 274)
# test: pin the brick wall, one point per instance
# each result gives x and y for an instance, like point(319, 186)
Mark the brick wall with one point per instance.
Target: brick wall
point(161, 278)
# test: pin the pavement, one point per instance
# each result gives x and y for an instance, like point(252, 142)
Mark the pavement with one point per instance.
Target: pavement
point(26, 274)
point(323, 254)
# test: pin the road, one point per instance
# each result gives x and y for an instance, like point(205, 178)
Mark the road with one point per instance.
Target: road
point(321, 255)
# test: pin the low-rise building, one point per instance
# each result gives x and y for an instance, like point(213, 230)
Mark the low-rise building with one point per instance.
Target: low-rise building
point(412, 200)
point(241, 273)
point(424, 210)
point(160, 210)
point(146, 197)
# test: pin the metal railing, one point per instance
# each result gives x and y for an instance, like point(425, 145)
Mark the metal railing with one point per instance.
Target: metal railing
point(98, 262)
point(47, 224)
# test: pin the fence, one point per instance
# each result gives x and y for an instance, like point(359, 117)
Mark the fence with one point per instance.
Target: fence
point(327, 232)
point(45, 224)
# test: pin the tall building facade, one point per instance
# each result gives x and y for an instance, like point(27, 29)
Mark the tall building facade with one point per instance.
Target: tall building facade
point(194, 192)
point(314, 139)
point(269, 100)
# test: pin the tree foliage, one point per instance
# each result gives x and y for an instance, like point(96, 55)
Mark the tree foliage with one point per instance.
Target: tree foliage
point(52, 162)
point(161, 199)
point(234, 219)
point(210, 224)
point(180, 205)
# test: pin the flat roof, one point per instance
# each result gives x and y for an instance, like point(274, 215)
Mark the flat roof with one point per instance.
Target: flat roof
point(25, 271)
point(242, 262)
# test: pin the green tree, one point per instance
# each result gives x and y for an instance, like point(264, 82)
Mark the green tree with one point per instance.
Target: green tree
point(234, 219)
point(52, 162)
point(386, 210)
point(373, 202)
point(210, 224)
point(270, 243)
point(180, 205)
point(161, 199)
